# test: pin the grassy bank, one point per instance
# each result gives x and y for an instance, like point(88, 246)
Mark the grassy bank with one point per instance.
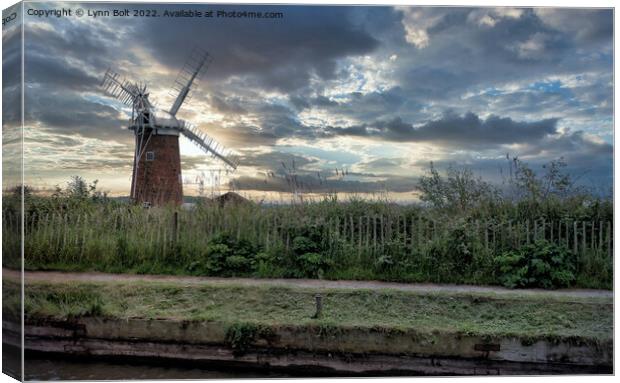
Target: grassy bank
point(541, 317)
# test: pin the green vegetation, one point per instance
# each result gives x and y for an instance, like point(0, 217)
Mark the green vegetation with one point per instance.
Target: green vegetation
point(538, 230)
point(256, 309)
point(241, 335)
point(541, 264)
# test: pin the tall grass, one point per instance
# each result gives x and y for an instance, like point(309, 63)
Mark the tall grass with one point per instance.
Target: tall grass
point(354, 239)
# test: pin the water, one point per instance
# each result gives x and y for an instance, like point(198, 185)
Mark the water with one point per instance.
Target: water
point(62, 369)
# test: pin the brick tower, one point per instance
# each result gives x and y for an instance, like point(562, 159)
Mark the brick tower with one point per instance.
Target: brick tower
point(157, 171)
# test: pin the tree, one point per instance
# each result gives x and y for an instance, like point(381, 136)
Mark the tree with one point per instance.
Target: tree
point(78, 188)
point(555, 181)
point(459, 190)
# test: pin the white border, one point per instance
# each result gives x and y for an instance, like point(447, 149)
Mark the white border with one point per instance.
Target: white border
point(541, 3)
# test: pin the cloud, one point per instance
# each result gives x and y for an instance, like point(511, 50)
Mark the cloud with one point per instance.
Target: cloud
point(275, 160)
point(280, 54)
point(86, 118)
point(488, 17)
point(534, 47)
point(41, 69)
point(584, 25)
point(463, 131)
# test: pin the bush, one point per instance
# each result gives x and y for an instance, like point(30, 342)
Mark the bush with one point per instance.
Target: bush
point(313, 265)
point(309, 258)
point(227, 256)
point(451, 256)
point(541, 264)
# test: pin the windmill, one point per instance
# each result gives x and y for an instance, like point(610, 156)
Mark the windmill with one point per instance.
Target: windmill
point(156, 176)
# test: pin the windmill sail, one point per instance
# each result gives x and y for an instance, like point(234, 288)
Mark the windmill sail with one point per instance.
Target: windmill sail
point(193, 69)
point(208, 144)
point(120, 88)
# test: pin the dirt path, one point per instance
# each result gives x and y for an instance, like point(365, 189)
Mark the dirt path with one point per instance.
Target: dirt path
point(57, 277)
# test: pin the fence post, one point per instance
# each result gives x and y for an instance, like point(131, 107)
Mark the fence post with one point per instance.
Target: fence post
point(494, 228)
point(374, 235)
point(584, 242)
point(486, 235)
point(412, 234)
point(382, 234)
point(609, 248)
point(337, 231)
point(265, 226)
point(419, 236)
point(404, 231)
point(592, 238)
point(510, 238)
point(575, 240)
point(352, 229)
point(367, 231)
point(359, 242)
point(551, 231)
point(600, 235)
point(527, 230)
point(175, 226)
point(238, 223)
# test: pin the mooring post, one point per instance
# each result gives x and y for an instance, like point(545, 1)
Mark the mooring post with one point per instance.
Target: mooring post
point(319, 305)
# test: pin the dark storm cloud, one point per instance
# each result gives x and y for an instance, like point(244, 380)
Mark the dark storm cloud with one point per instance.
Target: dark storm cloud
point(62, 64)
point(571, 144)
point(41, 69)
point(587, 26)
point(301, 102)
point(468, 130)
point(11, 58)
point(227, 105)
point(362, 107)
point(523, 48)
point(11, 77)
point(85, 118)
point(81, 42)
point(276, 53)
point(503, 41)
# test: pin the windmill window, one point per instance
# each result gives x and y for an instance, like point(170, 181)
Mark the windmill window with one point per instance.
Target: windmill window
point(150, 156)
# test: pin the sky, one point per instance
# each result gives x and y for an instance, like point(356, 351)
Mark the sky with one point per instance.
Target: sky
point(353, 100)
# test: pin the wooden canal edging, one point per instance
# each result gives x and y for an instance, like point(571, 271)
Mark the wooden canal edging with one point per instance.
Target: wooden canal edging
point(313, 351)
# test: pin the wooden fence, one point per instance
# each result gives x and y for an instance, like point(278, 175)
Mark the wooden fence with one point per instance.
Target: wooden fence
point(374, 233)
point(369, 234)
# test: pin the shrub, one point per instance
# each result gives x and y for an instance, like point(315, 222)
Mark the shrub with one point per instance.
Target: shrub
point(313, 265)
point(309, 259)
point(228, 256)
point(241, 336)
point(451, 256)
point(541, 264)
